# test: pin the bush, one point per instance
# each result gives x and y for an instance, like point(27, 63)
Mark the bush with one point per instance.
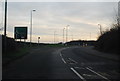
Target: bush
point(11, 44)
point(109, 40)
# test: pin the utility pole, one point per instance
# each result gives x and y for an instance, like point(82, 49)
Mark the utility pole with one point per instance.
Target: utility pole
point(5, 25)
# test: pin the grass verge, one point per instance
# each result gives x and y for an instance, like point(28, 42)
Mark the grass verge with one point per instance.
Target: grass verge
point(13, 55)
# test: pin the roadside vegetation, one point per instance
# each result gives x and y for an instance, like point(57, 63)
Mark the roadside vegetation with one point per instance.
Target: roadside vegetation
point(109, 40)
point(13, 50)
point(17, 49)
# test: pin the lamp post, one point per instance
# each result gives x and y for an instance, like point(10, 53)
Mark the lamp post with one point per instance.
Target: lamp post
point(72, 36)
point(5, 25)
point(31, 27)
point(54, 37)
point(38, 40)
point(5, 22)
point(67, 32)
point(100, 29)
point(63, 34)
point(90, 35)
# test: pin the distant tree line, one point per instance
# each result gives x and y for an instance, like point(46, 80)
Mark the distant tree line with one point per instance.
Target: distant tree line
point(82, 42)
point(109, 40)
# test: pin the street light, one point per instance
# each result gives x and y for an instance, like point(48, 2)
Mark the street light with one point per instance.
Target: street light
point(90, 35)
point(38, 40)
point(67, 32)
point(63, 34)
point(54, 37)
point(100, 29)
point(5, 26)
point(31, 27)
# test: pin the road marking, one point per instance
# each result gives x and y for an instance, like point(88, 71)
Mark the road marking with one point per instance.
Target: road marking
point(72, 60)
point(77, 74)
point(87, 75)
point(89, 67)
point(63, 60)
point(60, 54)
point(79, 67)
point(97, 73)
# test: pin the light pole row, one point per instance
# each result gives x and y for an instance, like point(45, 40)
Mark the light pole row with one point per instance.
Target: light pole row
point(66, 33)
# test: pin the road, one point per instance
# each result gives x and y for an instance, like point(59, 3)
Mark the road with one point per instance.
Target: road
point(70, 63)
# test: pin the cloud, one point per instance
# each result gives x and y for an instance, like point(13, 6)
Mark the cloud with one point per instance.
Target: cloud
point(83, 17)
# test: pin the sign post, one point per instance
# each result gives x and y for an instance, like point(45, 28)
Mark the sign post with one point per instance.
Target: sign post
point(38, 40)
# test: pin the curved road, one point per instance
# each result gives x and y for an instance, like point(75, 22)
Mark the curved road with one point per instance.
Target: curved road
point(71, 63)
point(88, 66)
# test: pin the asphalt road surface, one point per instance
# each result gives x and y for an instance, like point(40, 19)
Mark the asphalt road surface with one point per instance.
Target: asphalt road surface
point(71, 63)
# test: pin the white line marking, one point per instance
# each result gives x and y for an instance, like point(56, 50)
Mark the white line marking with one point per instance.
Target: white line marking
point(87, 75)
point(79, 68)
point(77, 74)
point(63, 60)
point(97, 73)
point(76, 67)
point(60, 54)
point(72, 60)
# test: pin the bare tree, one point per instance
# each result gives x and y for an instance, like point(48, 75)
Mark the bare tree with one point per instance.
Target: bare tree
point(118, 18)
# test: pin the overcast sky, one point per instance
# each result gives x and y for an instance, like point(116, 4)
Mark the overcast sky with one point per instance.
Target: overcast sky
point(52, 17)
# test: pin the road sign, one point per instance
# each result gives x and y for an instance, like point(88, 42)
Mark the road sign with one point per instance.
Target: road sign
point(20, 33)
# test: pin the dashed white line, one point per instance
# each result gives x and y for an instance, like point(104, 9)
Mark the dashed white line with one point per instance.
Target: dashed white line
point(72, 60)
point(60, 54)
point(77, 74)
point(97, 73)
point(79, 67)
point(62, 58)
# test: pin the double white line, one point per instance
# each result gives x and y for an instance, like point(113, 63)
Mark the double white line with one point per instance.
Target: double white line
point(97, 74)
point(73, 68)
point(86, 68)
point(77, 74)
